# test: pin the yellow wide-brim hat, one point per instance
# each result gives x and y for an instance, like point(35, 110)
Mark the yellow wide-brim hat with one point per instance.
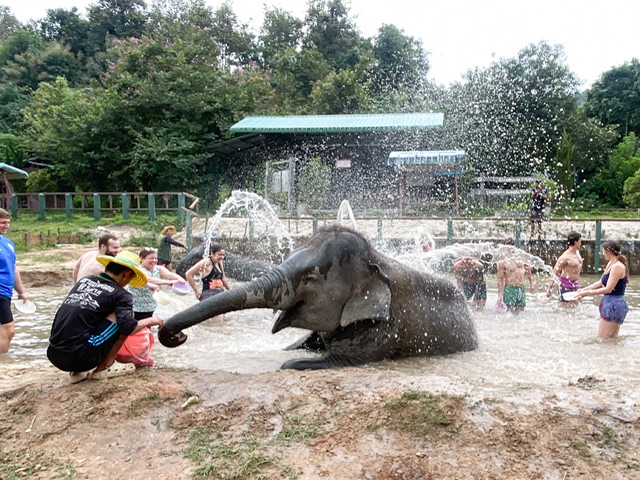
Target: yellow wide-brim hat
point(168, 227)
point(129, 260)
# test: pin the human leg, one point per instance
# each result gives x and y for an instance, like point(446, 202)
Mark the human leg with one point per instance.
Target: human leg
point(607, 329)
point(6, 334)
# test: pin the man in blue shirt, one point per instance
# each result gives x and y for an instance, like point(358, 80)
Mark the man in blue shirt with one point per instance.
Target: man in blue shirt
point(9, 279)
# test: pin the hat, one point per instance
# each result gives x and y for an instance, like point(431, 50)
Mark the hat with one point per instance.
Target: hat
point(129, 260)
point(168, 227)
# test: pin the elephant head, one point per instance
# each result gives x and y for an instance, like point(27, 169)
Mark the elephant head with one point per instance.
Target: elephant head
point(359, 305)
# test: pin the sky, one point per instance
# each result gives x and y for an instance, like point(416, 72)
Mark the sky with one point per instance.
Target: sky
point(463, 34)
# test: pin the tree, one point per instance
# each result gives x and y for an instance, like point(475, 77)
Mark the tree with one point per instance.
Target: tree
point(400, 61)
point(9, 24)
point(115, 19)
point(235, 43)
point(614, 99)
point(68, 28)
point(340, 93)
point(510, 115)
point(334, 34)
point(624, 162)
point(280, 32)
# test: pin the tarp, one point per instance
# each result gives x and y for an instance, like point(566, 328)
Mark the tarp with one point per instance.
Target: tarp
point(427, 157)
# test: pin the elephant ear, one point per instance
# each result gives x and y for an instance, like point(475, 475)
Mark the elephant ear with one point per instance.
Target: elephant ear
point(371, 301)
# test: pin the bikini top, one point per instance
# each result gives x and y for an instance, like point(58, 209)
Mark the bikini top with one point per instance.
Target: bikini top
point(619, 288)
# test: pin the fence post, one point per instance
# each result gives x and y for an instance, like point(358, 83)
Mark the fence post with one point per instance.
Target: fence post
point(152, 207)
point(188, 226)
point(518, 233)
point(596, 252)
point(314, 226)
point(68, 205)
point(181, 205)
point(125, 206)
point(14, 205)
point(449, 231)
point(42, 203)
point(379, 224)
point(96, 206)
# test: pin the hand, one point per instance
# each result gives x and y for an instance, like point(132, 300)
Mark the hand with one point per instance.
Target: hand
point(153, 287)
point(23, 296)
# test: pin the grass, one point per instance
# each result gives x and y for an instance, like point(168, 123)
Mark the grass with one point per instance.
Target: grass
point(28, 465)
point(226, 459)
point(83, 227)
point(140, 405)
point(423, 412)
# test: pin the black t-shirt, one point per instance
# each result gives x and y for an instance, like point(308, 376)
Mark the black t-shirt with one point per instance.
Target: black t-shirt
point(81, 317)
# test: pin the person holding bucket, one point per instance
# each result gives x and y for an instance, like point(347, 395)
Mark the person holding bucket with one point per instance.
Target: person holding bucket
point(95, 319)
point(211, 271)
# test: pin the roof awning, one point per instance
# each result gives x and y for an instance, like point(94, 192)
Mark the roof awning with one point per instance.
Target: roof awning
point(338, 123)
point(11, 173)
point(429, 157)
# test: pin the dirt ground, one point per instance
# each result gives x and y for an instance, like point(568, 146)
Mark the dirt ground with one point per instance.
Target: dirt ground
point(350, 423)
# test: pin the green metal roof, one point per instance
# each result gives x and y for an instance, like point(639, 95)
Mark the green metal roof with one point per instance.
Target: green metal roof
point(338, 123)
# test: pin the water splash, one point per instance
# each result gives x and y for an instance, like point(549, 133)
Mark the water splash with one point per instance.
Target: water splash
point(345, 211)
point(263, 223)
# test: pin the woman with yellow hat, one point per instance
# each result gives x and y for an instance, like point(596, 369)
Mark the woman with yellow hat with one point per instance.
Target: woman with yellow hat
point(164, 249)
point(95, 319)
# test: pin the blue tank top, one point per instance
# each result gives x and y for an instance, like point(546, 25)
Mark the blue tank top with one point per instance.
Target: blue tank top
point(619, 288)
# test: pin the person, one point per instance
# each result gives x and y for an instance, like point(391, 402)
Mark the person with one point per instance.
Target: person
point(88, 265)
point(211, 272)
point(511, 290)
point(538, 201)
point(612, 286)
point(164, 249)
point(10, 279)
point(567, 270)
point(143, 302)
point(95, 318)
point(469, 274)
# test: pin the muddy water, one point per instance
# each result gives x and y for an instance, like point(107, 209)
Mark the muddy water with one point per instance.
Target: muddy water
point(544, 345)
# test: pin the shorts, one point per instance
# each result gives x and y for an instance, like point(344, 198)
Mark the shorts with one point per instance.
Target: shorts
point(5, 311)
point(614, 308)
point(514, 296)
point(210, 293)
point(162, 262)
point(476, 290)
point(536, 215)
point(567, 285)
point(85, 356)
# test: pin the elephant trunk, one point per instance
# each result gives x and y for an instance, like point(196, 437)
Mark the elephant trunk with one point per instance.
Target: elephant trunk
point(255, 294)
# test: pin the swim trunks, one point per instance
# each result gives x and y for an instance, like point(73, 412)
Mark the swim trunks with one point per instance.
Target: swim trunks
point(567, 285)
point(614, 308)
point(476, 290)
point(514, 297)
point(5, 310)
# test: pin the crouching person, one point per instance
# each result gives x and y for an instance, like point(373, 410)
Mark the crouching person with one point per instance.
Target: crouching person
point(94, 320)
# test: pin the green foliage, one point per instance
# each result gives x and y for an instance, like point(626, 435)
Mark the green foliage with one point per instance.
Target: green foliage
point(340, 93)
point(314, 182)
point(614, 99)
point(41, 181)
point(624, 162)
point(509, 115)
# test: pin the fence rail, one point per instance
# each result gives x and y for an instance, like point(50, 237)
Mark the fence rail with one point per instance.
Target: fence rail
point(100, 202)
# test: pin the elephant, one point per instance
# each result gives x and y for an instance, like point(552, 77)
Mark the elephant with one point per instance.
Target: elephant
point(235, 266)
point(360, 305)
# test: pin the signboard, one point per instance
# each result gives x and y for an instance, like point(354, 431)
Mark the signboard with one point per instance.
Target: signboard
point(343, 163)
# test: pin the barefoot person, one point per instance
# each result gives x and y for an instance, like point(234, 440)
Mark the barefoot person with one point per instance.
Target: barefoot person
point(567, 270)
point(9, 280)
point(538, 200)
point(469, 274)
point(95, 318)
point(612, 286)
point(88, 265)
point(211, 271)
point(511, 290)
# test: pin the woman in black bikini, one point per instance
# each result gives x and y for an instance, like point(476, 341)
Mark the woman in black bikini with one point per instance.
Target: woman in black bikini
point(211, 272)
